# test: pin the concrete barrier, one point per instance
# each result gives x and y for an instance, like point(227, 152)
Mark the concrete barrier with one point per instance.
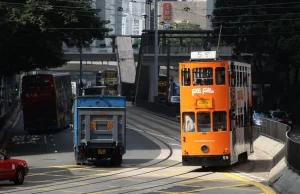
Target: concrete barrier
point(280, 178)
point(283, 179)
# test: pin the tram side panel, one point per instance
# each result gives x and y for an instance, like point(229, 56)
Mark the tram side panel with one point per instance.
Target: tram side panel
point(240, 110)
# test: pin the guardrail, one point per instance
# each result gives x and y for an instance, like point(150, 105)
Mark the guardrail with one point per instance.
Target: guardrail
point(224, 50)
point(292, 153)
point(282, 133)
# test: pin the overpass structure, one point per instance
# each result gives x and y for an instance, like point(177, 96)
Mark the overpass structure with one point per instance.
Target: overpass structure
point(97, 59)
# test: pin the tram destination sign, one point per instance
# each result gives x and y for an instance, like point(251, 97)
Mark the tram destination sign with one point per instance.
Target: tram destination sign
point(198, 55)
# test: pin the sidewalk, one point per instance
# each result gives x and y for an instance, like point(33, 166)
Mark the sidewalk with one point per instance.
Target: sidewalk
point(8, 125)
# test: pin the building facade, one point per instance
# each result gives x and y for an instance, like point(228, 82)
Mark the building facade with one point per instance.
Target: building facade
point(133, 20)
point(110, 11)
point(189, 11)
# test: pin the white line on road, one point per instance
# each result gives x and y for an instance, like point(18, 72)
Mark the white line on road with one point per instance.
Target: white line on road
point(174, 144)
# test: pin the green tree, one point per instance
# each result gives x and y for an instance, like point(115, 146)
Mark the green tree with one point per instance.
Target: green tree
point(32, 32)
point(261, 28)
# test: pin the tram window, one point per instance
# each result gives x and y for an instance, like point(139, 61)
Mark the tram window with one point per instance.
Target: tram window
point(188, 121)
point(203, 119)
point(202, 76)
point(219, 121)
point(220, 75)
point(185, 77)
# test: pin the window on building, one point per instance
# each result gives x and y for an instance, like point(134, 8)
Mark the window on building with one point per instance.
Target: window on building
point(203, 119)
point(219, 121)
point(220, 76)
point(202, 76)
point(188, 124)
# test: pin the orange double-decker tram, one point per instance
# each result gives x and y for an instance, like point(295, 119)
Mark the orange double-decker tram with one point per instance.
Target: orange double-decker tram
point(216, 110)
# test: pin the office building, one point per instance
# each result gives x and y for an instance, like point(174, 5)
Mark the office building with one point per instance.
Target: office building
point(174, 11)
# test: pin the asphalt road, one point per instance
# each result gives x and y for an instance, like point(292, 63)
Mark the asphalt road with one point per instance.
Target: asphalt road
point(164, 175)
point(50, 156)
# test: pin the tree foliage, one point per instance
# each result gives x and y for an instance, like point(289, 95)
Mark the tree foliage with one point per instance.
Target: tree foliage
point(32, 32)
point(260, 27)
point(263, 28)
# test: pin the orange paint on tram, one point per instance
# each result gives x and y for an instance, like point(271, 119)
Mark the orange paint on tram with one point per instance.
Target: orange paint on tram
point(216, 110)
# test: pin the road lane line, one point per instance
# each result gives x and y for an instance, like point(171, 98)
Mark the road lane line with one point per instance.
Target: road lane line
point(264, 188)
point(217, 187)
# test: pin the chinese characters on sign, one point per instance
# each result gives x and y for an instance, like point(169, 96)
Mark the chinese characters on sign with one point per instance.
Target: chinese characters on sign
point(167, 11)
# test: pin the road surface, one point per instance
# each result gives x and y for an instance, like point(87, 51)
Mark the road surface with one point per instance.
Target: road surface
point(152, 164)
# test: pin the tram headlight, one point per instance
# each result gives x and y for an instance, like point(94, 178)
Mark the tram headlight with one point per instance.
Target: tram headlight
point(204, 148)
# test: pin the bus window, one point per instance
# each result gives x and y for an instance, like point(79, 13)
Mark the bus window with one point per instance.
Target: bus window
point(185, 77)
point(203, 76)
point(220, 75)
point(219, 121)
point(188, 121)
point(203, 121)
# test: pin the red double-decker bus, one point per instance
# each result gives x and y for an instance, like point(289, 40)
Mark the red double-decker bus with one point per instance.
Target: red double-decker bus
point(47, 101)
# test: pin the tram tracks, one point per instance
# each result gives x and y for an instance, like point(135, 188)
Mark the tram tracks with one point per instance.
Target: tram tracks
point(109, 177)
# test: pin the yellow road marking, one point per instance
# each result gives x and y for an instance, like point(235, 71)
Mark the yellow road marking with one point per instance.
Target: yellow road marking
point(203, 180)
point(244, 189)
point(265, 189)
point(46, 189)
point(42, 167)
point(122, 189)
point(69, 191)
point(43, 173)
point(51, 180)
point(218, 187)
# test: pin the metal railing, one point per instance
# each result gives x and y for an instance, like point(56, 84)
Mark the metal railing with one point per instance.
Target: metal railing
point(177, 50)
point(92, 50)
point(274, 129)
point(292, 152)
point(224, 50)
point(282, 133)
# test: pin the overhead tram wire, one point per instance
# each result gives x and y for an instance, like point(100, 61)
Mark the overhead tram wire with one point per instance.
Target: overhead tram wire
point(58, 9)
point(240, 7)
point(63, 8)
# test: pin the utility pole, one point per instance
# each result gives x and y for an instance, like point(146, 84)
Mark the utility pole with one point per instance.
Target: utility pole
point(80, 73)
point(155, 74)
point(168, 69)
point(218, 48)
point(119, 72)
